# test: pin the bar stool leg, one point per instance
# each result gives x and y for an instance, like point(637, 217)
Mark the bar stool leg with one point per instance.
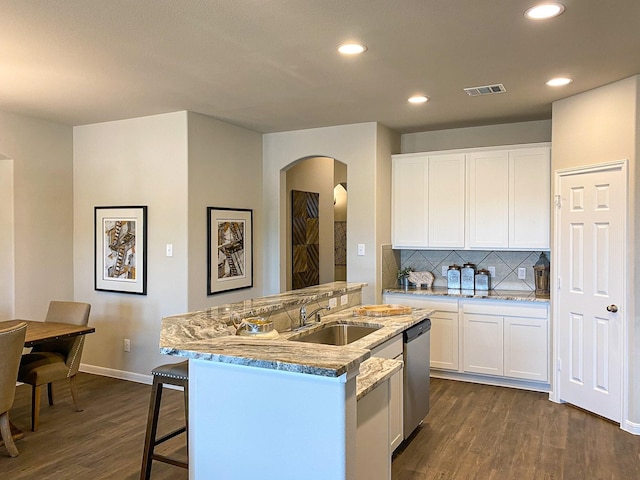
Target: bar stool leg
point(152, 427)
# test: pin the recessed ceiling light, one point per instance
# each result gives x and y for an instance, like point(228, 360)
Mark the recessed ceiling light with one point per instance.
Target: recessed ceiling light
point(352, 48)
point(559, 82)
point(418, 99)
point(544, 11)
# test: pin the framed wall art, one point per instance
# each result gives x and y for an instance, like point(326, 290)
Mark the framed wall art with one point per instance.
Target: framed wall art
point(229, 249)
point(121, 249)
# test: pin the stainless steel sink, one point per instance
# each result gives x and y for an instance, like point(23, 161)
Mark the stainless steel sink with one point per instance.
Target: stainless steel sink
point(335, 334)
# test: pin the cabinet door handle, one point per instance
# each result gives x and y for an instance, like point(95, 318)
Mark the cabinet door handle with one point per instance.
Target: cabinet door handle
point(612, 308)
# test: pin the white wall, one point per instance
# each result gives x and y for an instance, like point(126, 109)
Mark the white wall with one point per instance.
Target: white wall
point(387, 142)
point(599, 126)
point(484, 136)
point(42, 210)
point(354, 145)
point(7, 243)
point(142, 161)
point(225, 170)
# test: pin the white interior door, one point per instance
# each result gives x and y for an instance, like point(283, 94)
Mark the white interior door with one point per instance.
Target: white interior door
point(591, 244)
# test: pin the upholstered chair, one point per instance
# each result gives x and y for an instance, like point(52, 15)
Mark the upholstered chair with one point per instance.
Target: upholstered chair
point(56, 359)
point(11, 343)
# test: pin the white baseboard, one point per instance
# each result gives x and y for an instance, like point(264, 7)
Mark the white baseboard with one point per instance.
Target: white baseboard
point(122, 375)
point(113, 373)
point(631, 427)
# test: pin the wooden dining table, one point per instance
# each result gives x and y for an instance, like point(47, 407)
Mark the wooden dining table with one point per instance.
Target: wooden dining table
point(42, 332)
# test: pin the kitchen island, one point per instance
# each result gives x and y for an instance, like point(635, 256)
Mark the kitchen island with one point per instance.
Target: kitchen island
point(275, 408)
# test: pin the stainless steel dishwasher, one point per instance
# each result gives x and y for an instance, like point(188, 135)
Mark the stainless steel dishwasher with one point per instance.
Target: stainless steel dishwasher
point(416, 375)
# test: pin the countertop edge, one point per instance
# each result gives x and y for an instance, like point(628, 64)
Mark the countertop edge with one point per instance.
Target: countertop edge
point(506, 295)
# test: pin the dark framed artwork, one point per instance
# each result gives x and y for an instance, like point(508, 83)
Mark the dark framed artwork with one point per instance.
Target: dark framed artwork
point(229, 249)
point(305, 239)
point(120, 249)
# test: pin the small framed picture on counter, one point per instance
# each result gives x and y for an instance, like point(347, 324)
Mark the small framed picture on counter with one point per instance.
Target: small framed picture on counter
point(121, 249)
point(230, 249)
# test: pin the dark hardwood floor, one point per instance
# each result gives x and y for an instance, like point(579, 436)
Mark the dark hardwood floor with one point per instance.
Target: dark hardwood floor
point(484, 432)
point(104, 441)
point(472, 432)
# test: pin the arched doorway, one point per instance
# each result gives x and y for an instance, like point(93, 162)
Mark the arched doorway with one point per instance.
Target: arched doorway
point(316, 196)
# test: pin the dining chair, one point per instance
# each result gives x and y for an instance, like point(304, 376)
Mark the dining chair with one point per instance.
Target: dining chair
point(11, 343)
point(56, 359)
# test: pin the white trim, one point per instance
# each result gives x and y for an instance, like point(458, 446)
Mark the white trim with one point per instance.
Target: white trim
point(490, 380)
point(517, 146)
point(631, 427)
point(621, 165)
point(120, 374)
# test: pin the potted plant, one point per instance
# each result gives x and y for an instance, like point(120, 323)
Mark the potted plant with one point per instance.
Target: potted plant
point(403, 276)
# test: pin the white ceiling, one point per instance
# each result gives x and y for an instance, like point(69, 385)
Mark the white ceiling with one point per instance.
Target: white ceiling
point(271, 65)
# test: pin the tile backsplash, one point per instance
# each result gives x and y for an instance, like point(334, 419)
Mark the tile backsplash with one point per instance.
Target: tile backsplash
point(506, 264)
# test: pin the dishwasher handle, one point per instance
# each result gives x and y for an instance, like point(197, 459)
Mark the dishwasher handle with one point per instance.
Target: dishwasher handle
point(417, 330)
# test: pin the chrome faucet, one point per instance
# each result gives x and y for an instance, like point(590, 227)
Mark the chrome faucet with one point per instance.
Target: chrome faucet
point(316, 313)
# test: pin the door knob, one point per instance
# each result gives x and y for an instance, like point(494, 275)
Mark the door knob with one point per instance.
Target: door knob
point(612, 308)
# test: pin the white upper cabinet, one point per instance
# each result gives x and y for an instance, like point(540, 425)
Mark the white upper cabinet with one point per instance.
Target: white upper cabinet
point(446, 201)
point(483, 198)
point(529, 198)
point(409, 201)
point(428, 201)
point(488, 203)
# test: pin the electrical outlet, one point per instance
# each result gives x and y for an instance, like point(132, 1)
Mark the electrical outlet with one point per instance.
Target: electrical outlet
point(444, 270)
point(492, 271)
point(127, 345)
point(522, 273)
point(344, 299)
point(333, 302)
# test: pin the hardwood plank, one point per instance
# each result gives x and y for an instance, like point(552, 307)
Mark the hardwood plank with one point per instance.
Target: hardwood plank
point(484, 432)
point(472, 432)
point(104, 441)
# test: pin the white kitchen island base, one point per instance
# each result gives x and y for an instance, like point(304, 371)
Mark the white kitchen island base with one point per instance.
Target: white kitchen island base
point(247, 422)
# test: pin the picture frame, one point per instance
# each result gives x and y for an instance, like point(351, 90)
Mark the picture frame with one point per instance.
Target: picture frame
point(120, 249)
point(229, 249)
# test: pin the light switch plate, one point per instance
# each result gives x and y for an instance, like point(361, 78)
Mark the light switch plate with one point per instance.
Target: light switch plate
point(344, 299)
point(333, 302)
point(522, 273)
point(169, 250)
point(361, 249)
point(492, 271)
point(444, 270)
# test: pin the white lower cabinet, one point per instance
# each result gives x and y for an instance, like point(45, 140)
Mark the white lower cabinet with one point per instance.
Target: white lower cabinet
point(393, 349)
point(483, 341)
point(509, 339)
point(500, 338)
point(445, 328)
point(373, 456)
point(526, 348)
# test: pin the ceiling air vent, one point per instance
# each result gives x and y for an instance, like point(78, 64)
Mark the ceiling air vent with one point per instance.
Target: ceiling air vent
point(485, 90)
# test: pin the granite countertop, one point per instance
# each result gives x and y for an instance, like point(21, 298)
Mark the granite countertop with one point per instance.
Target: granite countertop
point(180, 339)
point(510, 295)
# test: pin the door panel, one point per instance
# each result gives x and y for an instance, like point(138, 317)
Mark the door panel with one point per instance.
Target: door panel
point(590, 263)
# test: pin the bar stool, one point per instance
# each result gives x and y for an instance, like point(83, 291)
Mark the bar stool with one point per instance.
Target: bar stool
point(171, 374)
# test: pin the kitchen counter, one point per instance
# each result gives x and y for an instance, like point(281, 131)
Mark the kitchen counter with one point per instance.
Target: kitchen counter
point(510, 295)
point(278, 391)
point(193, 337)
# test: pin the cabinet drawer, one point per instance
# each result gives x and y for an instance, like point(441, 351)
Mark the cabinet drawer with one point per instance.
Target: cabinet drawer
point(506, 309)
point(389, 349)
point(422, 301)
